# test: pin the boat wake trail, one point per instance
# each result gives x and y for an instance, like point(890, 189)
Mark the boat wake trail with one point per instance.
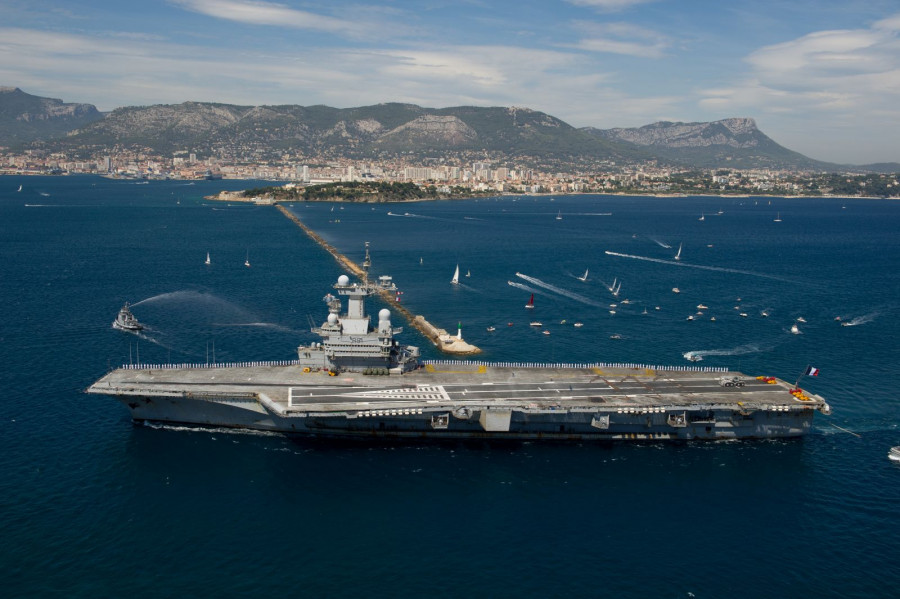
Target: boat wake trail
point(660, 243)
point(553, 288)
point(700, 266)
point(861, 319)
point(699, 354)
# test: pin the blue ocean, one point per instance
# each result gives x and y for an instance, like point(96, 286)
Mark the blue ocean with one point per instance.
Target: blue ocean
point(94, 505)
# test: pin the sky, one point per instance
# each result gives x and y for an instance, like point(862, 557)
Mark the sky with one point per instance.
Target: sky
point(821, 77)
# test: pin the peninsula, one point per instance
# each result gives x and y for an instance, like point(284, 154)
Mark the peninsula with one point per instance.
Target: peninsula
point(349, 191)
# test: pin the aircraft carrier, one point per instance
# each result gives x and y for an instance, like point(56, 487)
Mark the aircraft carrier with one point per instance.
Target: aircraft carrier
point(360, 382)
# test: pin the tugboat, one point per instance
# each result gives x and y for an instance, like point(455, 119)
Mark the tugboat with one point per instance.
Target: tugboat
point(126, 321)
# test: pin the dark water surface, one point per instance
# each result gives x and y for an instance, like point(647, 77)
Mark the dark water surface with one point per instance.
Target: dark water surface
point(92, 505)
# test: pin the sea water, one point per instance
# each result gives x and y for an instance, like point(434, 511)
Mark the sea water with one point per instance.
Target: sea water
point(93, 505)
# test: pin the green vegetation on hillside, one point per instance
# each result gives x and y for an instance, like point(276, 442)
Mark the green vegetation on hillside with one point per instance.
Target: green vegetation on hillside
point(357, 191)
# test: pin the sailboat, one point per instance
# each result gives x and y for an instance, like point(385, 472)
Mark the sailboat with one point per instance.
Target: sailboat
point(468, 273)
point(530, 304)
point(612, 287)
point(455, 279)
point(778, 218)
point(583, 277)
point(702, 217)
point(559, 216)
point(617, 289)
point(247, 260)
point(207, 259)
point(20, 188)
point(678, 255)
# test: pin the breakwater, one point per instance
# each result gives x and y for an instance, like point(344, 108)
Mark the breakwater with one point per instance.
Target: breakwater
point(445, 342)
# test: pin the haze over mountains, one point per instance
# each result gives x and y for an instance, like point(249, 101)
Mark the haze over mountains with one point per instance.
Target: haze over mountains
point(383, 131)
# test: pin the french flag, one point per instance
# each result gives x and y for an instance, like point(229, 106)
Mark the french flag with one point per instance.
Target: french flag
point(811, 371)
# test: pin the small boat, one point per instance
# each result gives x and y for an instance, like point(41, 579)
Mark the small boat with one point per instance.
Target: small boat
point(777, 218)
point(563, 321)
point(692, 357)
point(468, 274)
point(615, 336)
point(20, 188)
point(455, 279)
point(578, 325)
point(584, 276)
point(645, 311)
point(247, 259)
point(612, 287)
point(657, 308)
point(702, 307)
point(743, 315)
point(894, 454)
point(491, 329)
point(626, 301)
point(617, 290)
point(612, 311)
point(536, 324)
point(546, 332)
point(509, 324)
point(795, 329)
point(207, 262)
point(530, 304)
point(691, 317)
point(678, 255)
point(712, 318)
point(126, 321)
point(676, 290)
point(702, 217)
point(420, 261)
point(559, 216)
point(764, 314)
point(801, 319)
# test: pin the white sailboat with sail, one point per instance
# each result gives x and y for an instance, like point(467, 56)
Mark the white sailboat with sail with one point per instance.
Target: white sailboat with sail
point(247, 260)
point(207, 259)
point(583, 278)
point(678, 255)
point(455, 279)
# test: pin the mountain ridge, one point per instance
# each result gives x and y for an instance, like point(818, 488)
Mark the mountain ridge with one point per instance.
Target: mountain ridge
point(387, 130)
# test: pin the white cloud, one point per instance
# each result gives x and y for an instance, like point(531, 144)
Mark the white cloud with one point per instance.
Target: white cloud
point(847, 81)
point(253, 12)
point(608, 5)
point(621, 38)
point(118, 71)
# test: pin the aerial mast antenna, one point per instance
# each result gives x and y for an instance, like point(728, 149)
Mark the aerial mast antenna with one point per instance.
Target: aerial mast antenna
point(367, 263)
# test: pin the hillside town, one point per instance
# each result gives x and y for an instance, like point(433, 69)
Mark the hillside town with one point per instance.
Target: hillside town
point(495, 174)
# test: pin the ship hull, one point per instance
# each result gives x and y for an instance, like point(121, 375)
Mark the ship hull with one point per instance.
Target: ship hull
point(186, 412)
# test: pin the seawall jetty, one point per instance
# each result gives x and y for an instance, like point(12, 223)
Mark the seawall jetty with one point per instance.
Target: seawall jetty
point(443, 340)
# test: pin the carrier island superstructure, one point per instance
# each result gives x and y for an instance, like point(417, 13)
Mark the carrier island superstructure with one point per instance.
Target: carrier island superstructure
point(359, 381)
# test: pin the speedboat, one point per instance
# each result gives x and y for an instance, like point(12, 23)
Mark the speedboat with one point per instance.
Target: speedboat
point(578, 325)
point(536, 324)
point(491, 329)
point(894, 454)
point(126, 321)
